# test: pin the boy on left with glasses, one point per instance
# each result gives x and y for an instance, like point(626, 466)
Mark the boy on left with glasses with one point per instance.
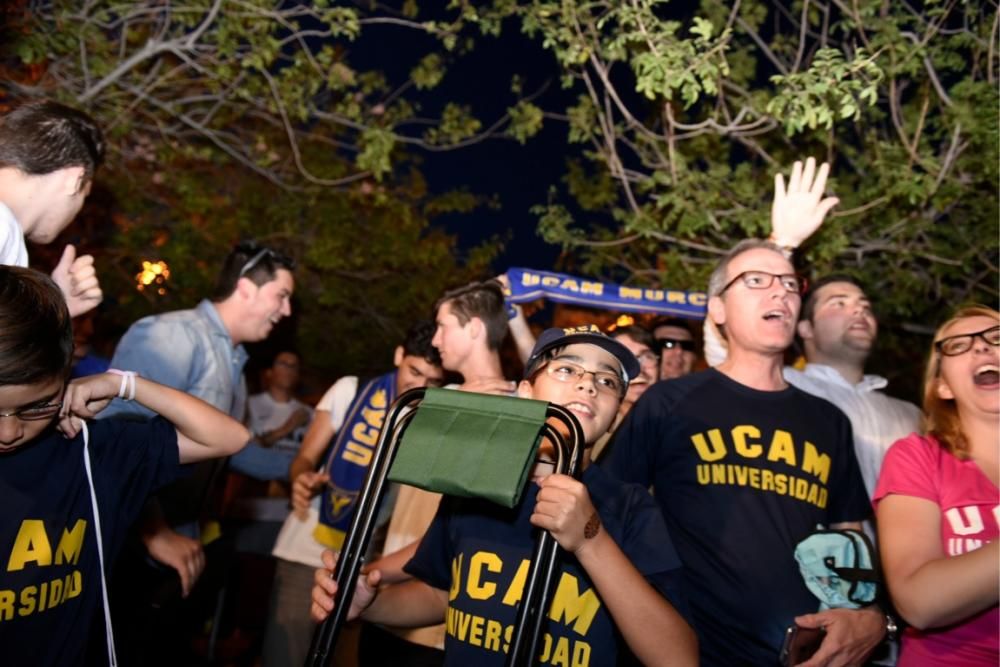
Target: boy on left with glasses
point(71, 492)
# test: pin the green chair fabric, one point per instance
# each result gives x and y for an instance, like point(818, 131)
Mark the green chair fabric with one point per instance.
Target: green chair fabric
point(473, 445)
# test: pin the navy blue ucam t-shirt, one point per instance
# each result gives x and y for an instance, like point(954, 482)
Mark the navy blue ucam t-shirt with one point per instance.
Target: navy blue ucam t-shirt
point(480, 551)
point(741, 476)
point(50, 582)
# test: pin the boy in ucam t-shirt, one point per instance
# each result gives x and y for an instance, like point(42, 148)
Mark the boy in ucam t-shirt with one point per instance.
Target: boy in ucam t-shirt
point(616, 584)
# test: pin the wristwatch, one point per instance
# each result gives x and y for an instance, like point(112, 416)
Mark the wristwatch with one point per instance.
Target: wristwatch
point(891, 628)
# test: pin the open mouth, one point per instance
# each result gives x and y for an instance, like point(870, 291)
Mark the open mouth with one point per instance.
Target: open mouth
point(987, 375)
point(580, 409)
point(776, 315)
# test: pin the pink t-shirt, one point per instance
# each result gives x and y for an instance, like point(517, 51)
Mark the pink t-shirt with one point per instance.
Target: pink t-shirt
point(970, 504)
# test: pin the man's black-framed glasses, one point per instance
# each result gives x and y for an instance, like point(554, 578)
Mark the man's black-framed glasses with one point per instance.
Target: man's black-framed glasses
point(952, 346)
point(762, 280)
point(674, 343)
point(35, 412)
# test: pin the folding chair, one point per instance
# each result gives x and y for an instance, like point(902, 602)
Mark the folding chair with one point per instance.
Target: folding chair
point(512, 420)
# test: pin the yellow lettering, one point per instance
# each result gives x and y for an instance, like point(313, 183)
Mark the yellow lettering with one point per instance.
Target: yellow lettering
point(27, 601)
point(704, 474)
point(513, 594)
point(546, 648)
point(55, 592)
point(674, 296)
point(581, 654)
point(782, 448)
point(7, 604)
point(653, 294)
point(767, 480)
point(569, 606)
point(781, 483)
point(718, 473)
point(75, 585)
point(755, 478)
point(815, 463)
point(491, 642)
point(529, 279)
point(374, 417)
point(570, 285)
point(750, 450)
point(550, 281)
point(592, 288)
point(698, 298)
point(629, 293)
point(813, 496)
point(71, 543)
point(741, 475)
point(338, 502)
point(365, 434)
point(356, 453)
point(475, 588)
point(713, 453)
point(561, 655)
point(30, 545)
point(476, 631)
point(379, 400)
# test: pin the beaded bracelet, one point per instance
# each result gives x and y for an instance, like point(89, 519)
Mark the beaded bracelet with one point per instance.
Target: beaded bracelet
point(126, 391)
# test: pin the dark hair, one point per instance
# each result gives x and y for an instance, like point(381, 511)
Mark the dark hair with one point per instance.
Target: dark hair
point(483, 300)
point(678, 322)
point(41, 137)
point(418, 342)
point(36, 333)
point(639, 334)
point(809, 298)
point(280, 351)
point(249, 260)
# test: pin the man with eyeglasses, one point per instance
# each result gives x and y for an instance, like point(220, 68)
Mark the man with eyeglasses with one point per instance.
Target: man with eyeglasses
point(744, 466)
point(198, 351)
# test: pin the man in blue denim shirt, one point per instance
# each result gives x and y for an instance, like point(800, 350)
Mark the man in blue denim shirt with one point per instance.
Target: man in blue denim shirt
point(200, 351)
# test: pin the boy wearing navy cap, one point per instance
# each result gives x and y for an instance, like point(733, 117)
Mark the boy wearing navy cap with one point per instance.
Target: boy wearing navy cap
point(616, 585)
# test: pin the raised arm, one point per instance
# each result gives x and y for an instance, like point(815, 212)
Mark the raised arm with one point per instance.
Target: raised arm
point(799, 210)
point(929, 588)
point(202, 431)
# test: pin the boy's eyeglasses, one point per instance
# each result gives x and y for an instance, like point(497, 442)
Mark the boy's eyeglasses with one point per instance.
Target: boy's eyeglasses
point(35, 412)
point(672, 343)
point(952, 346)
point(762, 280)
point(648, 358)
point(566, 371)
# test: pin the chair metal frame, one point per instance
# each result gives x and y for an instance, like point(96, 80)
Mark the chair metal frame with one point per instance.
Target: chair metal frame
point(534, 602)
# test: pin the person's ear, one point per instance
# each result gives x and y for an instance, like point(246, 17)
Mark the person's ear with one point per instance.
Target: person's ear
point(525, 390)
point(73, 180)
point(805, 329)
point(246, 288)
point(717, 310)
point(476, 327)
point(942, 389)
point(397, 356)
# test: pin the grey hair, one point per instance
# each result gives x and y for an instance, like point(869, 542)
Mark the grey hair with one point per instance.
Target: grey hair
point(717, 281)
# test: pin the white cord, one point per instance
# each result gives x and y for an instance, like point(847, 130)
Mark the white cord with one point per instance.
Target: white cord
point(112, 658)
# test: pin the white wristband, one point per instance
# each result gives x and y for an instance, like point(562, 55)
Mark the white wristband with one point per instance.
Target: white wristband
point(126, 391)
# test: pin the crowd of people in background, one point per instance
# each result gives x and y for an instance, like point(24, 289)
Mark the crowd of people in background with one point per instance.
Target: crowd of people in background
point(149, 493)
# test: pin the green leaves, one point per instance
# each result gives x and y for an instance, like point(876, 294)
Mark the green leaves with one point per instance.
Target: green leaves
point(525, 121)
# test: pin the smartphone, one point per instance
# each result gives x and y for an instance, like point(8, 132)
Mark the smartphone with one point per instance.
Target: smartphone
point(800, 644)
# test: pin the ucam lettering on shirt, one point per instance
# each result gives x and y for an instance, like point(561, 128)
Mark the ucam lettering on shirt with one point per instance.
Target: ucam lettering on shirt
point(32, 549)
point(481, 577)
point(734, 458)
point(967, 523)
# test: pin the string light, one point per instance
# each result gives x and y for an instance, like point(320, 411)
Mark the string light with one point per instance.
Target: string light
point(153, 274)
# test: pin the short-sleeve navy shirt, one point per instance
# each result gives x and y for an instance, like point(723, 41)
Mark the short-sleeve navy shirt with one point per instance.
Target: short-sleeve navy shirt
point(50, 581)
point(479, 552)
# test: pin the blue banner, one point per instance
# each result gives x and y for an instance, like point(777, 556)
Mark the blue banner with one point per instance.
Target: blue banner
point(529, 285)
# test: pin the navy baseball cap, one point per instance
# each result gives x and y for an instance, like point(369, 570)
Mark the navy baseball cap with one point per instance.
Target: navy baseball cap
point(589, 334)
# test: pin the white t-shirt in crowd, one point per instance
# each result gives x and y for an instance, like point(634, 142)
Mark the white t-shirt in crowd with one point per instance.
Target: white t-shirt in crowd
point(295, 542)
point(13, 252)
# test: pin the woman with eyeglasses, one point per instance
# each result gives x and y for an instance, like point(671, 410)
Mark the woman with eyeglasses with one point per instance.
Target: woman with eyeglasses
point(937, 503)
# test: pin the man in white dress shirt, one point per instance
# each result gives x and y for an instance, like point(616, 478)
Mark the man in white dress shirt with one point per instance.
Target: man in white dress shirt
point(838, 331)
